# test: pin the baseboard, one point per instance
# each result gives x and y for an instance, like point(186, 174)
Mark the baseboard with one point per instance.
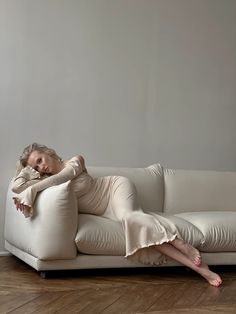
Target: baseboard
point(4, 253)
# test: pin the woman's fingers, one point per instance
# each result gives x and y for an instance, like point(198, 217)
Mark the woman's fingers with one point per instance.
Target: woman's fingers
point(26, 210)
point(21, 207)
point(17, 205)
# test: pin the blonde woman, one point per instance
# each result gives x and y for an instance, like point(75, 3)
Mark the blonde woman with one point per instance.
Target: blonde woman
point(114, 197)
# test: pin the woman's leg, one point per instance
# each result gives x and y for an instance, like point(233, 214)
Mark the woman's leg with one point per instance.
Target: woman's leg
point(124, 202)
point(191, 252)
point(171, 251)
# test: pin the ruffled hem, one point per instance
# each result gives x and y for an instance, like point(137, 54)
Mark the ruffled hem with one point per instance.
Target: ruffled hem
point(146, 254)
point(152, 244)
point(143, 231)
point(21, 201)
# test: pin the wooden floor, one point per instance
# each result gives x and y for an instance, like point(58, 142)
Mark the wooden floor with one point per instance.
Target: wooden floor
point(156, 290)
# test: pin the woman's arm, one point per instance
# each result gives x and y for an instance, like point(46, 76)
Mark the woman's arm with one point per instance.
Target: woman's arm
point(73, 168)
point(27, 177)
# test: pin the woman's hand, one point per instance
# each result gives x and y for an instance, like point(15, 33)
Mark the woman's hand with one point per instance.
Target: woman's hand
point(20, 206)
point(24, 201)
point(26, 210)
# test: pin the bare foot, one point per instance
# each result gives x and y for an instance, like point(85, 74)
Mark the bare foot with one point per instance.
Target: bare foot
point(188, 250)
point(213, 278)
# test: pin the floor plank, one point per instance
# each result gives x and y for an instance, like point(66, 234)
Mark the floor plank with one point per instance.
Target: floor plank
point(120, 291)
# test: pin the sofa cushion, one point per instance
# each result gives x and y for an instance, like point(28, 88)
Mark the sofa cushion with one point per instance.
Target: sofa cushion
point(187, 231)
point(100, 235)
point(50, 233)
point(189, 190)
point(218, 229)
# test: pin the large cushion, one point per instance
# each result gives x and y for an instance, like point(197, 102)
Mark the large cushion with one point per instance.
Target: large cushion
point(102, 236)
point(218, 229)
point(99, 235)
point(149, 183)
point(50, 233)
point(187, 231)
point(189, 190)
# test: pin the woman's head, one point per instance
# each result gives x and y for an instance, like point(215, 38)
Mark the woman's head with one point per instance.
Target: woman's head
point(41, 158)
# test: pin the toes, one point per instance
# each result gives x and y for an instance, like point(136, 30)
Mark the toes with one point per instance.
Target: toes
point(216, 283)
point(220, 281)
point(198, 261)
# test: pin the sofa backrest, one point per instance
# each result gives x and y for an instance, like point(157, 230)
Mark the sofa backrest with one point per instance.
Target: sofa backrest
point(187, 191)
point(149, 183)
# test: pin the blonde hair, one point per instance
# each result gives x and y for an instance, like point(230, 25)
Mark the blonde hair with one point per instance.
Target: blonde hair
point(31, 148)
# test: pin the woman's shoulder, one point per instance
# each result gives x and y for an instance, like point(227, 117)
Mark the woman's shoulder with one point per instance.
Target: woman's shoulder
point(78, 158)
point(77, 161)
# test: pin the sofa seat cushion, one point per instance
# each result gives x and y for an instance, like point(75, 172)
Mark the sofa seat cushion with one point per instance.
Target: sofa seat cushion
point(218, 229)
point(102, 236)
point(187, 231)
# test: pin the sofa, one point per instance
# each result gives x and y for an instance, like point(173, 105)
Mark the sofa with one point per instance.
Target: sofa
point(202, 204)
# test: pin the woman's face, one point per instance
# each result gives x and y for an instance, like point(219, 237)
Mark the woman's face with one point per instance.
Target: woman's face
point(44, 163)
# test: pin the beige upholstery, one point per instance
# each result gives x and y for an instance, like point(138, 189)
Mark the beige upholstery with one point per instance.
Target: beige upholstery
point(202, 204)
point(50, 234)
point(218, 230)
point(188, 191)
point(99, 235)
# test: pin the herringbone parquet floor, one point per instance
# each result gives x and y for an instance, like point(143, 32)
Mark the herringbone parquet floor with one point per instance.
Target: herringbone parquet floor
point(149, 291)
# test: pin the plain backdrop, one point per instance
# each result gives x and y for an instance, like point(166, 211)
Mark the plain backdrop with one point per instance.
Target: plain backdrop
point(122, 82)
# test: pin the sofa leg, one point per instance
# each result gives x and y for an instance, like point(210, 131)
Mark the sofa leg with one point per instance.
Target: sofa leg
point(43, 274)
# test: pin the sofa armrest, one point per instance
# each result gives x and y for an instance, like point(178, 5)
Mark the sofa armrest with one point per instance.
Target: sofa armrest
point(50, 233)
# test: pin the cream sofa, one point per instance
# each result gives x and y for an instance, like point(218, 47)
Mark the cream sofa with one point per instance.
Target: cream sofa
point(202, 204)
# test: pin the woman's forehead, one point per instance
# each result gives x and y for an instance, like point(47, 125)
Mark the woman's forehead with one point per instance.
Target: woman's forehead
point(34, 156)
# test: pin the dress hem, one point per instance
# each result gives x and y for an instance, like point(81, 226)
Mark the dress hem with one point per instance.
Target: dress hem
point(132, 254)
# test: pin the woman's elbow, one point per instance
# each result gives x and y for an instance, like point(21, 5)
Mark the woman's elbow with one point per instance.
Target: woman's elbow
point(16, 189)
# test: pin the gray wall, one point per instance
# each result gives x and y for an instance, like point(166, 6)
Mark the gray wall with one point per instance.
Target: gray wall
point(123, 82)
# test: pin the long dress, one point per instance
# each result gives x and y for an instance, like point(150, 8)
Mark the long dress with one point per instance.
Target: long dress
point(113, 197)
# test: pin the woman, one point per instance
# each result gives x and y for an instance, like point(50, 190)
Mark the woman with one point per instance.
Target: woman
point(113, 197)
